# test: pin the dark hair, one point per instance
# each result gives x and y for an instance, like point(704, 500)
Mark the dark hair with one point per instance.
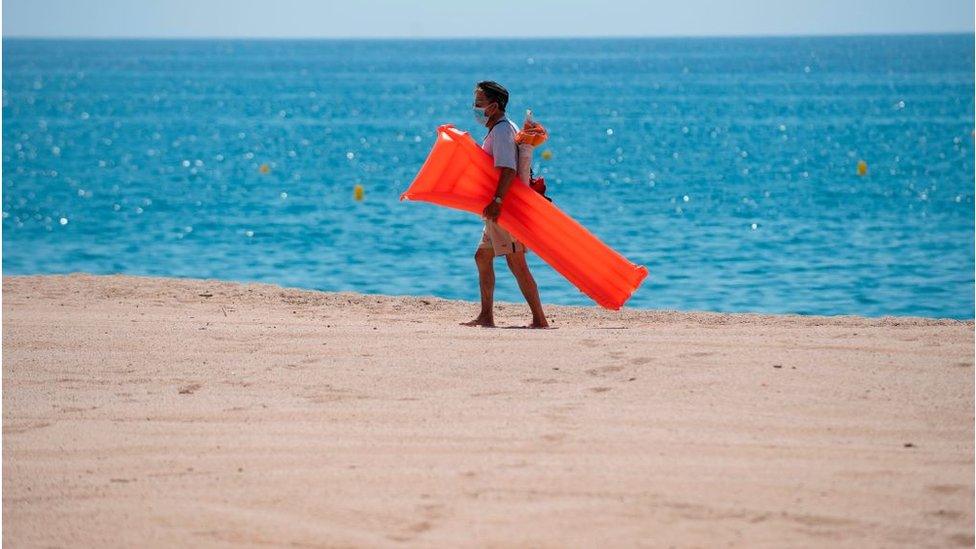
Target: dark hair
point(495, 92)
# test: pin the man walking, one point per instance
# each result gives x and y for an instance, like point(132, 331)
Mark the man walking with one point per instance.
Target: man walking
point(490, 99)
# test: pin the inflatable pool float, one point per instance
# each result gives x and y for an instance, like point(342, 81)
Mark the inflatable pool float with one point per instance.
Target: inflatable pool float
point(459, 174)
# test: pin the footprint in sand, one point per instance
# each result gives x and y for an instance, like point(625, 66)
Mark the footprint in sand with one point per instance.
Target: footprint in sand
point(946, 488)
point(942, 513)
point(700, 353)
point(603, 370)
point(72, 409)
point(547, 381)
point(431, 512)
point(17, 427)
point(491, 393)
point(189, 389)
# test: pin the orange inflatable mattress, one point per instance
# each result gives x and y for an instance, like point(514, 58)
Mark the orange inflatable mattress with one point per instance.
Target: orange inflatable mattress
point(459, 174)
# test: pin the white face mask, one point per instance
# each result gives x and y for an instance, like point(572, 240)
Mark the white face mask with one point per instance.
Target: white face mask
point(479, 116)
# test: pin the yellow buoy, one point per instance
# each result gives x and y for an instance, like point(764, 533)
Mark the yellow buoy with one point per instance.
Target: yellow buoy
point(264, 168)
point(547, 154)
point(358, 192)
point(862, 167)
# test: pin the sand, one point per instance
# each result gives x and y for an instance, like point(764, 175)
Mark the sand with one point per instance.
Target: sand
point(154, 412)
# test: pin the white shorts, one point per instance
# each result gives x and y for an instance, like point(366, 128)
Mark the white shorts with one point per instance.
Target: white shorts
point(498, 239)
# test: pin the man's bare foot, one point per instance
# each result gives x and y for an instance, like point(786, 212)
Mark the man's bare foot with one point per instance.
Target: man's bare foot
point(482, 321)
point(539, 324)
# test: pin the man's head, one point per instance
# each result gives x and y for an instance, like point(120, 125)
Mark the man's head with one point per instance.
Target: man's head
point(490, 99)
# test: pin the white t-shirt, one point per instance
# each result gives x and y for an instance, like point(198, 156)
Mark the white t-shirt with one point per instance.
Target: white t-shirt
point(500, 144)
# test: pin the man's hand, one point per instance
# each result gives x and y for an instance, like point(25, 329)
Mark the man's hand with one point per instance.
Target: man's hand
point(492, 211)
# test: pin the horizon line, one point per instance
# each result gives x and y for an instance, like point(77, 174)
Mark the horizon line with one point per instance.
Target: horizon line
point(518, 37)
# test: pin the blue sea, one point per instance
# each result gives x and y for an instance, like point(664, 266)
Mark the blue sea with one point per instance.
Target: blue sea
point(729, 167)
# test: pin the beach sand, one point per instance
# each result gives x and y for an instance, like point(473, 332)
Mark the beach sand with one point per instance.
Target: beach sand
point(154, 412)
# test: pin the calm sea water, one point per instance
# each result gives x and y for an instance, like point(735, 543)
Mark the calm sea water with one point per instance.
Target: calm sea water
point(727, 166)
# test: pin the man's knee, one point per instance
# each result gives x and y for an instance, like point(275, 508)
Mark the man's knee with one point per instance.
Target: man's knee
point(483, 257)
point(516, 262)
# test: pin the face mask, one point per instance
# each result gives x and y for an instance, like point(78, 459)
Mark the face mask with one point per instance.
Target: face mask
point(479, 115)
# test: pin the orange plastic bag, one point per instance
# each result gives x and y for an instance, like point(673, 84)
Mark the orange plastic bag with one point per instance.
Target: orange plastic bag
point(459, 174)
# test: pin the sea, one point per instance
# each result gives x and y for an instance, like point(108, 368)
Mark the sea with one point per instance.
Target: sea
point(803, 175)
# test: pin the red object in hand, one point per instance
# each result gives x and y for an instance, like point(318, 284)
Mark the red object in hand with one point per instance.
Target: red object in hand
point(539, 185)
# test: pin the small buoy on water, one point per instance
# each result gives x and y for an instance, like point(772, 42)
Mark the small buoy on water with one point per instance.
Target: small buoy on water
point(358, 192)
point(547, 154)
point(862, 167)
point(264, 168)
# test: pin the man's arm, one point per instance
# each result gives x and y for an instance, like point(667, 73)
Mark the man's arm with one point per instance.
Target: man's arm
point(504, 151)
point(505, 179)
point(494, 209)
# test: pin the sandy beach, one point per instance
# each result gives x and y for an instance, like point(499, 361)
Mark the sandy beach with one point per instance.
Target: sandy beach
point(154, 412)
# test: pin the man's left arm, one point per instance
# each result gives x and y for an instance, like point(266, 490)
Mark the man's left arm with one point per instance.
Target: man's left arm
point(505, 154)
point(505, 179)
point(494, 208)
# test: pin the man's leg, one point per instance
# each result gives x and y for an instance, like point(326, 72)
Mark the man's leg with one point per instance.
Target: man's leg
point(484, 258)
point(519, 268)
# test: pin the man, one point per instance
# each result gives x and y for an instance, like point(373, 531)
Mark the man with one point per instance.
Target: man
point(490, 99)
